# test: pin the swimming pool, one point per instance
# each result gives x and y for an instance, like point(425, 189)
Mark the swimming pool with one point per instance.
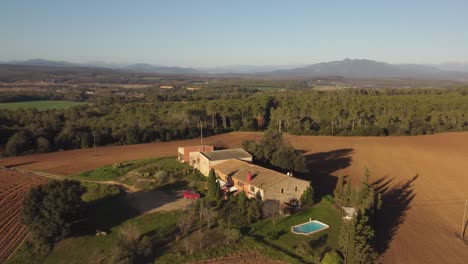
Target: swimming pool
point(313, 226)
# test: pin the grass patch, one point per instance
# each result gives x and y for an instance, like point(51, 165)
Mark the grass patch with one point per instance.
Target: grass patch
point(108, 211)
point(306, 248)
point(96, 191)
point(245, 244)
point(287, 247)
point(108, 173)
point(40, 105)
point(165, 173)
point(98, 249)
point(104, 203)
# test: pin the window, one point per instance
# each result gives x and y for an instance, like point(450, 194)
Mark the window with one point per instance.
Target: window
point(282, 190)
point(296, 189)
point(240, 184)
point(252, 189)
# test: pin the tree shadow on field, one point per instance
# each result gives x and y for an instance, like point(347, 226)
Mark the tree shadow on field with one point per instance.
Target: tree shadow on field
point(396, 200)
point(322, 164)
point(146, 200)
point(103, 214)
point(12, 166)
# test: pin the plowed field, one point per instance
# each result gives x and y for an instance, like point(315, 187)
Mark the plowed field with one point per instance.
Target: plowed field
point(424, 180)
point(13, 186)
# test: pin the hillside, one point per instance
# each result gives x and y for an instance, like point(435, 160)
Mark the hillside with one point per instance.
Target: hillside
point(347, 68)
point(370, 69)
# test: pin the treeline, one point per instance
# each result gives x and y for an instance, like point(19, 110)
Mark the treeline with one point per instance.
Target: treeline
point(9, 97)
point(272, 150)
point(371, 112)
point(117, 120)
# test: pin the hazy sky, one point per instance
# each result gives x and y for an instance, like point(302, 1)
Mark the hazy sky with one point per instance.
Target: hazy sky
point(225, 32)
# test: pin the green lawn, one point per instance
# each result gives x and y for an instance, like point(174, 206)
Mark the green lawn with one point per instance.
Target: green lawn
point(176, 176)
point(98, 249)
point(289, 247)
point(96, 191)
point(305, 248)
point(40, 105)
point(245, 244)
point(108, 173)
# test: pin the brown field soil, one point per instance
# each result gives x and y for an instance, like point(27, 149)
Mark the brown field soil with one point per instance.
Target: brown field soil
point(424, 180)
point(13, 186)
point(74, 161)
point(425, 184)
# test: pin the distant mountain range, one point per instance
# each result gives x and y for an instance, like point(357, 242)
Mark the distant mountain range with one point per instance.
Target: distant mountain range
point(370, 69)
point(348, 68)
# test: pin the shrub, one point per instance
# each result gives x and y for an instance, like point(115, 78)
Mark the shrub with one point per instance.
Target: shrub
point(272, 235)
point(331, 257)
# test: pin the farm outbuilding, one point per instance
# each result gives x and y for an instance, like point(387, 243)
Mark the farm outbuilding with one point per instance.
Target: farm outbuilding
point(183, 153)
point(203, 161)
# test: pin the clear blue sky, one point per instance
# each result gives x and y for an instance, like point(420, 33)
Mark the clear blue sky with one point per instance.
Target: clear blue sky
point(222, 32)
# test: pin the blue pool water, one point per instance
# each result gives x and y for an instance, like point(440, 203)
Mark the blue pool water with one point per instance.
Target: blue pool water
point(309, 227)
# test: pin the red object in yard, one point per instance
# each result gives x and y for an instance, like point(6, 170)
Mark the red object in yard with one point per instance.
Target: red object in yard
point(191, 195)
point(249, 176)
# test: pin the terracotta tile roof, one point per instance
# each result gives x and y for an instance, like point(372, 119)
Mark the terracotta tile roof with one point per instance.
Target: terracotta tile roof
point(268, 180)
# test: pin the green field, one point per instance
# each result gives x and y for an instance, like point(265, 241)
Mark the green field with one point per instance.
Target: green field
point(40, 105)
point(108, 173)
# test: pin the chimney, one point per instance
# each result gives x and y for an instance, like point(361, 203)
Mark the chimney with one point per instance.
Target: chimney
point(249, 176)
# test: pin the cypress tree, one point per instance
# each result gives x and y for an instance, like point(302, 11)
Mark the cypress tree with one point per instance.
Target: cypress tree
point(364, 235)
point(214, 192)
point(307, 198)
point(346, 240)
point(339, 190)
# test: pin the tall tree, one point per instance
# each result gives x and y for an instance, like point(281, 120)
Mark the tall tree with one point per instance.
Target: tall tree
point(339, 190)
point(17, 144)
point(214, 191)
point(307, 198)
point(49, 210)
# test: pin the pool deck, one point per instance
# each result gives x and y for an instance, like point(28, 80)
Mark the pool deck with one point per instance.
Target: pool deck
point(310, 233)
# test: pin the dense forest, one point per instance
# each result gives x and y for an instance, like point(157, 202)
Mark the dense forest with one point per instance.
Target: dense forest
point(116, 119)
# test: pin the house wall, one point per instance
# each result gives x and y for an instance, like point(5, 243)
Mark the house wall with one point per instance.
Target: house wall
point(204, 165)
point(180, 155)
point(286, 196)
point(249, 159)
point(194, 160)
point(184, 152)
point(254, 192)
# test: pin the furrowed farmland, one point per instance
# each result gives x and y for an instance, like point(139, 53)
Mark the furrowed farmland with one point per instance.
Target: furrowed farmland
point(422, 180)
point(13, 186)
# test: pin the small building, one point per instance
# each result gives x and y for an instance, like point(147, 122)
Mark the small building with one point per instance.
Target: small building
point(166, 87)
point(350, 213)
point(204, 161)
point(183, 153)
point(193, 88)
point(260, 182)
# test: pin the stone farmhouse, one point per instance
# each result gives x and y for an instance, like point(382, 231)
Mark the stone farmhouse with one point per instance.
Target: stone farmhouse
point(236, 173)
point(259, 182)
point(204, 161)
